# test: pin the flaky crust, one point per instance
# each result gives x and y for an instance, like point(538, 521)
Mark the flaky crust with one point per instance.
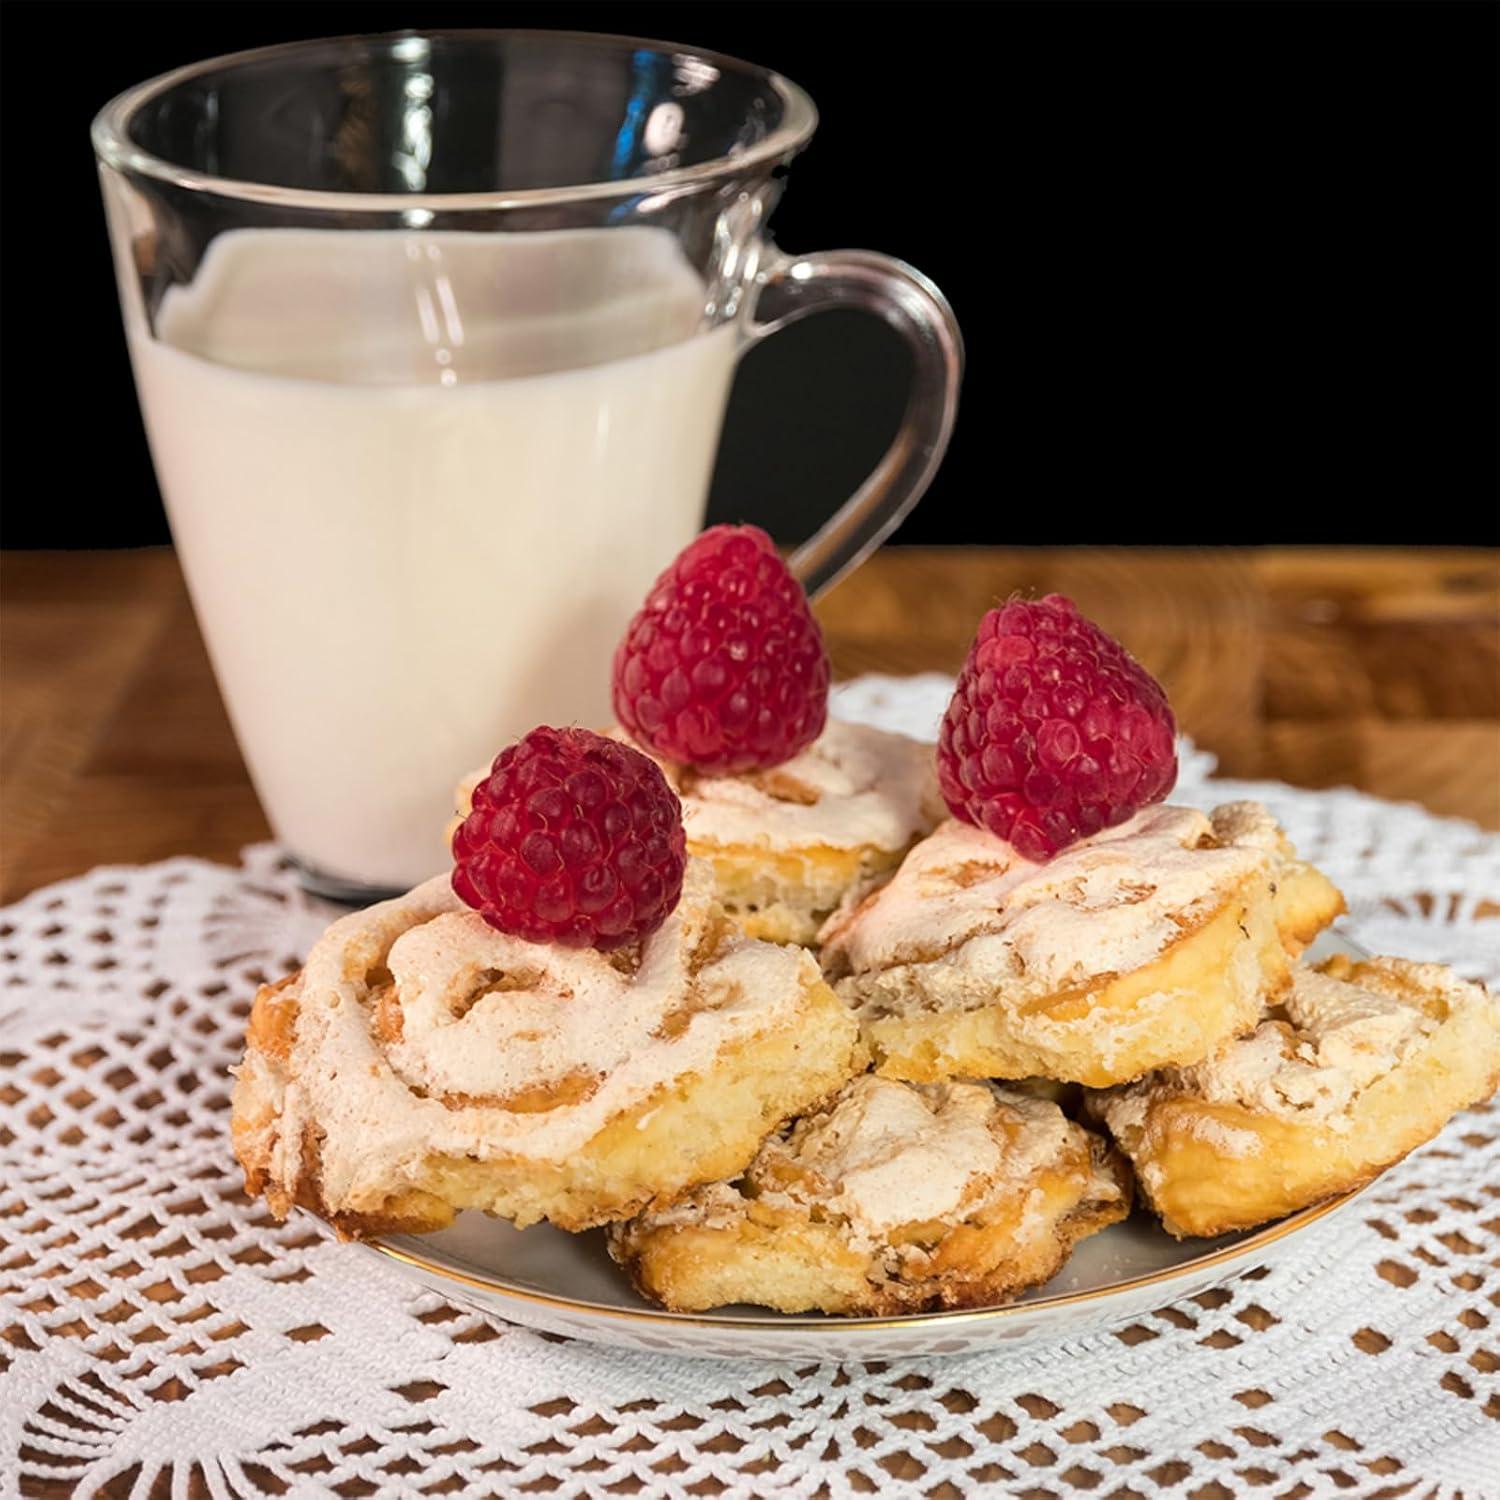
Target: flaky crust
point(1309, 1107)
point(362, 1092)
point(787, 896)
point(1305, 899)
point(804, 1232)
point(1207, 987)
point(1148, 946)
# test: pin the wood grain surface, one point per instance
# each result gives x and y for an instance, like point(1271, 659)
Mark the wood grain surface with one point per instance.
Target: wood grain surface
point(1377, 669)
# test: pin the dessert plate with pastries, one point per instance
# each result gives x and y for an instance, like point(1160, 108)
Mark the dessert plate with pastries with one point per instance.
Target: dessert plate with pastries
point(739, 1031)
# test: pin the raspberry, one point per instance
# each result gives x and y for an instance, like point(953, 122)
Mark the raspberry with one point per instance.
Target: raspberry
point(724, 667)
point(572, 839)
point(1054, 730)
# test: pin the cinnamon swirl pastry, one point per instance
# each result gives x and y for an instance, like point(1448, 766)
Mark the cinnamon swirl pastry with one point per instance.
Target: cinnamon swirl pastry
point(1147, 944)
point(1358, 1065)
point(892, 1198)
point(422, 1062)
point(790, 845)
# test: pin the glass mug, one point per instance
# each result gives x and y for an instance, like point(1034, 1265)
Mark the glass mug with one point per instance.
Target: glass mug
point(433, 336)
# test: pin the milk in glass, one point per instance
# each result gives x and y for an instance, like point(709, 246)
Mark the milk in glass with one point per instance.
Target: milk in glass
point(419, 482)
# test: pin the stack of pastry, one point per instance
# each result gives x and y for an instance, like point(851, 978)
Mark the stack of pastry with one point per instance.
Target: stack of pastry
point(721, 981)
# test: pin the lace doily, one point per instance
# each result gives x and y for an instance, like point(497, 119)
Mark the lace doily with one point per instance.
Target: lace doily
point(163, 1337)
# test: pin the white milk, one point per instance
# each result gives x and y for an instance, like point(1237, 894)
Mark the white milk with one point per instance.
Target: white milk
point(419, 483)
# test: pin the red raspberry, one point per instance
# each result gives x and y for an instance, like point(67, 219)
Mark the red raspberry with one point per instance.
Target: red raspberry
point(724, 666)
point(572, 839)
point(1054, 730)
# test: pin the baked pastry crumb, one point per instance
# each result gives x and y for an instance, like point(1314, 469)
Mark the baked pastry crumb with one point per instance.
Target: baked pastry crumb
point(892, 1198)
point(422, 1062)
point(1359, 1064)
point(1149, 944)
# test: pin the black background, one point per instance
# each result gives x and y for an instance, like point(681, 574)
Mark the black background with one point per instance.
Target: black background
point(1226, 271)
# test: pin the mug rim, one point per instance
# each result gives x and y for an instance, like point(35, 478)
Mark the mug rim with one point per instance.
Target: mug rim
point(115, 149)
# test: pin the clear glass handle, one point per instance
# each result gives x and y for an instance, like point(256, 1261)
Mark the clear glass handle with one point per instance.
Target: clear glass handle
point(793, 286)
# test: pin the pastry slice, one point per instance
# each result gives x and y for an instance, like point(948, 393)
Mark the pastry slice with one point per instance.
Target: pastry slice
point(789, 845)
point(1359, 1064)
point(892, 1198)
point(422, 1062)
point(1303, 898)
point(1149, 944)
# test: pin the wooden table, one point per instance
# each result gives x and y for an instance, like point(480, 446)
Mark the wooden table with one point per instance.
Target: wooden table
point(1379, 669)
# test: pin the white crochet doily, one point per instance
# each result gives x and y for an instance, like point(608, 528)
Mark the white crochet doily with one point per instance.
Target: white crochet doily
point(162, 1336)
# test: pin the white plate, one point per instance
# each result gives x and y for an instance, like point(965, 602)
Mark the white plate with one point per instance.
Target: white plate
point(566, 1283)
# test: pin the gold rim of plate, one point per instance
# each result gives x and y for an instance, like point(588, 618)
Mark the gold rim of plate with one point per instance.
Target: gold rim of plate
point(1260, 1239)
